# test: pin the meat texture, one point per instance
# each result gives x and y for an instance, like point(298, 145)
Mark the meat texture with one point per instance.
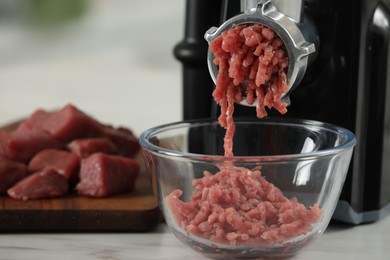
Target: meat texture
point(42, 156)
point(44, 184)
point(22, 145)
point(237, 206)
point(10, 173)
point(123, 138)
point(102, 175)
point(88, 146)
point(252, 65)
point(65, 163)
point(34, 120)
point(68, 123)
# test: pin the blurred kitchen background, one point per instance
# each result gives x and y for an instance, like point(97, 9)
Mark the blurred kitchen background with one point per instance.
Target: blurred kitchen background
point(107, 57)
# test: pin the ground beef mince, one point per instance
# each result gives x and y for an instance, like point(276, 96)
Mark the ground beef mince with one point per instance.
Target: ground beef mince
point(252, 64)
point(238, 206)
point(251, 59)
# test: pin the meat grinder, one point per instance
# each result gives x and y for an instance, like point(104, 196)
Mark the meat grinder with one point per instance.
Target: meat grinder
point(338, 73)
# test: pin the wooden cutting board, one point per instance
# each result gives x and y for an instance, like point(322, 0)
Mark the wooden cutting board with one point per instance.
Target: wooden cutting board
point(133, 211)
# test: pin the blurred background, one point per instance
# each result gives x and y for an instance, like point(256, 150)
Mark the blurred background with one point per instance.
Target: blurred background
point(111, 58)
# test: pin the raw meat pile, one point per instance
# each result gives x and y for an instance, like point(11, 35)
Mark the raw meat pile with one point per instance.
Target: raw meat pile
point(251, 64)
point(237, 206)
point(53, 153)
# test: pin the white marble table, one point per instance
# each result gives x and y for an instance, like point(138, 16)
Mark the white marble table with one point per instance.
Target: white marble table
point(338, 242)
point(109, 66)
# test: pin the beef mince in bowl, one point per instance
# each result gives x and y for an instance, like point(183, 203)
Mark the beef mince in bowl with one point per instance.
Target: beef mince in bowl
point(275, 196)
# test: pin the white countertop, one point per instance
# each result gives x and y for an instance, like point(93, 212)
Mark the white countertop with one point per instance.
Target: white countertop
point(338, 242)
point(113, 69)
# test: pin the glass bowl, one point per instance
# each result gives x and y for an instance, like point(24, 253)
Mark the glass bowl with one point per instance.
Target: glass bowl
point(272, 198)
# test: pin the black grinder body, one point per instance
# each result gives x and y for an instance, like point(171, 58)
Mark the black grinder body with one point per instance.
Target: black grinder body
point(348, 85)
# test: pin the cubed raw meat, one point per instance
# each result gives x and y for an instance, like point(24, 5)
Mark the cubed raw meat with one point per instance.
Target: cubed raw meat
point(69, 123)
point(10, 173)
point(102, 175)
point(124, 139)
point(88, 146)
point(35, 119)
point(22, 145)
point(65, 163)
point(44, 184)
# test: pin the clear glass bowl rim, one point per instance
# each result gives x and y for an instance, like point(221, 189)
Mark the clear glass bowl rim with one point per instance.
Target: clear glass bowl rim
point(349, 143)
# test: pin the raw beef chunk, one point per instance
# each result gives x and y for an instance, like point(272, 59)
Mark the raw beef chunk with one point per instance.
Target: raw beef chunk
point(44, 184)
point(64, 162)
point(85, 147)
point(34, 120)
point(69, 123)
point(124, 140)
point(10, 173)
point(22, 145)
point(41, 156)
point(102, 175)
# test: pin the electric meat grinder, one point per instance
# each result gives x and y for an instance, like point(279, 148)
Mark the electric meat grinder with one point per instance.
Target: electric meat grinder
point(338, 73)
